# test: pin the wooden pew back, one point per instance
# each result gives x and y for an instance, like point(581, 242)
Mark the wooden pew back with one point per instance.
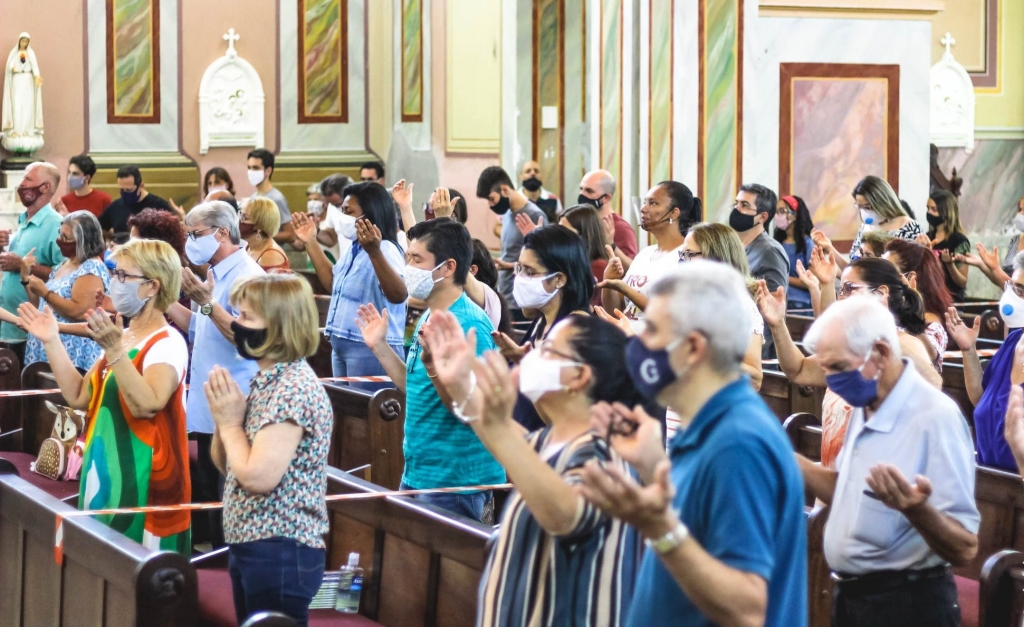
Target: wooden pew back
point(368, 429)
point(786, 398)
point(10, 408)
point(106, 580)
point(1002, 590)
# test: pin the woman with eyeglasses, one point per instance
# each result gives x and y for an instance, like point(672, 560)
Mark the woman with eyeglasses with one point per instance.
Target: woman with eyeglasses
point(73, 289)
point(370, 272)
point(552, 277)
point(793, 228)
point(862, 276)
point(136, 448)
point(922, 272)
point(989, 389)
point(258, 222)
point(557, 559)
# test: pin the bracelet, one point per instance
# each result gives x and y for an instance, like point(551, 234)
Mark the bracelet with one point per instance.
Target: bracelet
point(25, 283)
point(458, 408)
point(429, 376)
point(47, 295)
point(117, 359)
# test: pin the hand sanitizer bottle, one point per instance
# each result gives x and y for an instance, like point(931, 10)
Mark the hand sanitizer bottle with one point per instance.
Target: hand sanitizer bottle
point(350, 586)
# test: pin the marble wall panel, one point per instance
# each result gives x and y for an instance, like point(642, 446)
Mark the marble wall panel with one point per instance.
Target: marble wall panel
point(133, 61)
point(412, 60)
point(993, 184)
point(721, 36)
point(610, 88)
point(323, 61)
point(549, 89)
point(660, 78)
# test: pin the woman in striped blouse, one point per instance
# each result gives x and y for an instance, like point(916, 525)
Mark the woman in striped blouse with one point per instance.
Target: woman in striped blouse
point(557, 560)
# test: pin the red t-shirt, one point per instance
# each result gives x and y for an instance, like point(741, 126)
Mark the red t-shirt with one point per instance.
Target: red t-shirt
point(597, 267)
point(94, 202)
point(625, 236)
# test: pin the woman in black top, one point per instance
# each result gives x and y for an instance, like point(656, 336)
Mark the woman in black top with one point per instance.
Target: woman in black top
point(947, 237)
point(552, 278)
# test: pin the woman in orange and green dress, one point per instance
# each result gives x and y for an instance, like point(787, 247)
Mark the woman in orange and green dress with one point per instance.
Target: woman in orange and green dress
point(136, 448)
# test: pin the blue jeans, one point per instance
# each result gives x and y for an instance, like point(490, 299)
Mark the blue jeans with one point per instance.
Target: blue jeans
point(350, 358)
point(275, 575)
point(469, 504)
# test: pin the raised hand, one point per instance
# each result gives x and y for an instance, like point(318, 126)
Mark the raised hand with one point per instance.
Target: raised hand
point(811, 282)
point(965, 337)
point(453, 353)
point(818, 237)
point(970, 259)
point(647, 507)
point(892, 488)
point(771, 305)
point(990, 259)
point(613, 271)
point(368, 235)
point(508, 347)
point(41, 324)
point(108, 334)
point(373, 325)
point(945, 256)
point(499, 389)
point(525, 224)
point(442, 205)
point(634, 435)
point(402, 193)
point(227, 402)
point(199, 291)
point(305, 227)
point(619, 319)
point(823, 265)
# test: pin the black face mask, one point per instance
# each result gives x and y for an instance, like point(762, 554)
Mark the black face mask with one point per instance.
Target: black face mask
point(502, 206)
point(246, 338)
point(934, 220)
point(594, 202)
point(741, 222)
point(532, 184)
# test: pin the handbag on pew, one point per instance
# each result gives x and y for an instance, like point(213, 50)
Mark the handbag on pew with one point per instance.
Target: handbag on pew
point(60, 455)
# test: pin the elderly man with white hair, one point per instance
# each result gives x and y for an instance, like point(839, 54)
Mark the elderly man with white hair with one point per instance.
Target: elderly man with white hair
point(723, 512)
point(212, 238)
point(38, 228)
point(902, 494)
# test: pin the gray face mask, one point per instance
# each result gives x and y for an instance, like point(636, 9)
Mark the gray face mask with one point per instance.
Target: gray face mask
point(126, 299)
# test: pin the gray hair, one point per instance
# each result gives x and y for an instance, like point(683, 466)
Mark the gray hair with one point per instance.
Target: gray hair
point(864, 321)
point(215, 213)
point(334, 184)
point(52, 172)
point(712, 299)
point(85, 228)
point(1018, 262)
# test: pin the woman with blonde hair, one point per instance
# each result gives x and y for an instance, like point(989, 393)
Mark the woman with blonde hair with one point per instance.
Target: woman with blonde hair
point(136, 448)
point(258, 222)
point(880, 210)
point(947, 237)
point(272, 447)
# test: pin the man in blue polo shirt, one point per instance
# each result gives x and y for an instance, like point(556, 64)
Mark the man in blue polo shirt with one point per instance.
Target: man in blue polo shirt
point(723, 513)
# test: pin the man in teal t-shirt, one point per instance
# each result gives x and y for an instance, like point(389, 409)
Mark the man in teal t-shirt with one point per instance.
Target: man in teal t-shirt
point(38, 229)
point(440, 450)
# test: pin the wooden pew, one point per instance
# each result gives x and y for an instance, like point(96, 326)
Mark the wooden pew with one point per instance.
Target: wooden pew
point(106, 580)
point(321, 361)
point(798, 325)
point(1002, 590)
point(368, 430)
point(786, 398)
point(10, 408)
point(955, 387)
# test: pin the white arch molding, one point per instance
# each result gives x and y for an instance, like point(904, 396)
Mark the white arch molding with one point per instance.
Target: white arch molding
point(231, 102)
point(952, 102)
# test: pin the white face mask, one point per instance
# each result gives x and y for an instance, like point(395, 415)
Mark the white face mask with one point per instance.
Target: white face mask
point(1018, 222)
point(539, 376)
point(348, 230)
point(217, 188)
point(870, 217)
point(419, 282)
point(1011, 310)
point(314, 207)
point(530, 293)
point(256, 176)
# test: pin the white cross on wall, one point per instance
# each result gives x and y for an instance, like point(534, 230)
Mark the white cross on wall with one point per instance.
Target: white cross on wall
point(948, 41)
point(231, 37)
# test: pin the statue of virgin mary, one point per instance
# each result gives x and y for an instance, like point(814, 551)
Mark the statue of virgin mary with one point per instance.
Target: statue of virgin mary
point(21, 122)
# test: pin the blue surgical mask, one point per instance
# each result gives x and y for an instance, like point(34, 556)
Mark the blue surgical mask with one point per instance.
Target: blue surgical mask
point(650, 368)
point(200, 250)
point(76, 182)
point(853, 387)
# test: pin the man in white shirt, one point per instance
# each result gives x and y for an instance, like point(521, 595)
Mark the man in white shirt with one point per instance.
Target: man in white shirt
point(902, 494)
point(336, 228)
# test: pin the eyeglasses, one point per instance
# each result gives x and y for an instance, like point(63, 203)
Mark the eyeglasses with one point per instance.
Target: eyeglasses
point(194, 235)
point(520, 270)
point(688, 255)
point(784, 212)
point(546, 349)
point(65, 239)
point(121, 275)
point(1017, 288)
point(850, 287)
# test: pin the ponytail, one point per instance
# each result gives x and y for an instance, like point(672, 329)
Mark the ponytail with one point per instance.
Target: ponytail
point(906, 305)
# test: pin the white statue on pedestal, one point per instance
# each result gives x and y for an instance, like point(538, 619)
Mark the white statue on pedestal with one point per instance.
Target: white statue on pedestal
point(21, 122)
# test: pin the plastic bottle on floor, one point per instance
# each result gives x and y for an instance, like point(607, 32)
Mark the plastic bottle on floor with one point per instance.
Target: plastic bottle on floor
point(350, 586)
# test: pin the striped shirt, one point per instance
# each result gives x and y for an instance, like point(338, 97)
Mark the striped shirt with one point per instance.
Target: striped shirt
point(585, 577)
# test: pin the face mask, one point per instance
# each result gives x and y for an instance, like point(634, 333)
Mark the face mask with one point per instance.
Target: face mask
point(852, 387)
point(256, 176)
point(869, 217)
point(502, 206)
point(130, 198)
point(538, 376)
point(650, 369)
point(314, 207)
point(593, 202)
point(419, 282)
point(532, 184)
point(76, 182)
point(1011, 310)
point(247, 338)
point(781, 222)
point(934, 220)
point(650, 224)
point(1018, 222)
point(29, 195)
point(348, 230)
point(741, 222)
point(246, 230)
point(200, 250)
point(68, 249)
point(217, 188)
point(530, 293)
point(126, 299)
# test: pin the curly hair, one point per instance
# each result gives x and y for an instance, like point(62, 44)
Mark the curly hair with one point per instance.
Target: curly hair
point(160, 225)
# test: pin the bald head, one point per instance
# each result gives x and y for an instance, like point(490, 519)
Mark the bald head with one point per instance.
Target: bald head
point(530, 169)
point(38, 185)
point(46, 172)
point(597, 188)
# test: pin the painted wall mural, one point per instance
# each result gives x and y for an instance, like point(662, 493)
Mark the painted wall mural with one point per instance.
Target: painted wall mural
point(412, 60)
point(720, 118)
point(323, 61)
point(548, 71)
point(133, 61)
point(838, 123)
point(610, 88)
point(993, 178)
point(660, 113)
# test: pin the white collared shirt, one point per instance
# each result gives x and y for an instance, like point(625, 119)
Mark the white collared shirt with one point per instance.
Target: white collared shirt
point(921, 431)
